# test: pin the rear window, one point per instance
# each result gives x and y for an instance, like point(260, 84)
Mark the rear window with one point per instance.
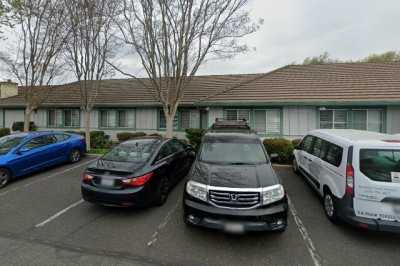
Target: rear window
point(139, 151)
point(379, 164)
point(333, 154)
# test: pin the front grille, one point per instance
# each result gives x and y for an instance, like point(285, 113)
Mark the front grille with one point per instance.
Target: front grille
point(234, 199)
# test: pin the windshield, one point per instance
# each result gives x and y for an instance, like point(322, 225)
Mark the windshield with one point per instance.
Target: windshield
point(233, 153)
point(138, 151)
point(7, 143)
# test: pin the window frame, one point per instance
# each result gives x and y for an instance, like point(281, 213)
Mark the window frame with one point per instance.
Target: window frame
point(265, 132)
point(62, 124)
point(117, 118)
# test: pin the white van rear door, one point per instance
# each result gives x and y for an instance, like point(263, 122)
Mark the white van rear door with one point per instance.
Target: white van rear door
point(377, 182)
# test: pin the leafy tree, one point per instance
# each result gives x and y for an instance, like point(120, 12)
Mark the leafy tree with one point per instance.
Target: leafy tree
point(390, 56)
point(173, 38)
point(320, 59)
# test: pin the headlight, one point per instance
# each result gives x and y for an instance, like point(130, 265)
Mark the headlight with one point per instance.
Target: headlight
point(272, 194)
point(197, 190)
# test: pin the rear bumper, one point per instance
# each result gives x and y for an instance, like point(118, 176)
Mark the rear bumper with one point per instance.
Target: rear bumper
point(273, 218)
point(347, 214)
point(121, 198)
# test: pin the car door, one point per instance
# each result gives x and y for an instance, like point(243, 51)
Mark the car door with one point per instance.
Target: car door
point(33, 155)
point(377, 182)
point(314, 162)
point(59, 146)
point(181, 159)
point(304, 153)
point(164, 158)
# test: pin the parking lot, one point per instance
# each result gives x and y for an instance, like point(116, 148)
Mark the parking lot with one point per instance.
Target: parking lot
point(43, 221)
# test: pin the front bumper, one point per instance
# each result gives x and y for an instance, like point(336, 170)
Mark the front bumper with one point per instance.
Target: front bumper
point(269, 218)
point(120, 198)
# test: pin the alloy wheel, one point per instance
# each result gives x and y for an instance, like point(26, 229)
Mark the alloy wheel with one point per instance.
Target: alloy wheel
point(4, 177)
point(75, 156)
point(328, 205)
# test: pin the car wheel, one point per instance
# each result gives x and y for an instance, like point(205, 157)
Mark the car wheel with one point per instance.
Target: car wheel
point(75, 156)
point(4, 177)
point(295, 166)
point(330, 207)
point(163, 191)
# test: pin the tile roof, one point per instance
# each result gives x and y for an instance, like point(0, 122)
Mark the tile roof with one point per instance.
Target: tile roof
point(297, 84)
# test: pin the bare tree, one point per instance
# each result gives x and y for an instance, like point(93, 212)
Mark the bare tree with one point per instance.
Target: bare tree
point(40, 39)
point(91, 43)
point(174, 37)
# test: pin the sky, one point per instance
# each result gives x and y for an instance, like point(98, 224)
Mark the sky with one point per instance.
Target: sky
point(296, 29)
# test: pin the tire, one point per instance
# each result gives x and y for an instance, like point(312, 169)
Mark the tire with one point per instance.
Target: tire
point(162, 192)
point(5, 177)
point(295, 166)
point(75, 156)
point(330, 207)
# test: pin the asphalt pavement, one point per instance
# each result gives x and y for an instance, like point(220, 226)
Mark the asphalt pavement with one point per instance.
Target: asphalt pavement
point(44, 221)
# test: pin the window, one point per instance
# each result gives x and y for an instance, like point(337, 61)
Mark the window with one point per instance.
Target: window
point(138, 151)
point(306, 144)
point(267, 121)
point(165, 151)
point(235, 115)
point(366, 119)
point(61, 137)
point(163, 123)
point(333, 155)
point(63, 118)
point(185, 119)
point(317, 147)
point(39, 142)
point(378, 165)
point(122, 118)
point(117, 118)
point(177, 146)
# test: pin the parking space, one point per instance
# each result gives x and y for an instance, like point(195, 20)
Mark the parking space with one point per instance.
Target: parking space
point(44, 221)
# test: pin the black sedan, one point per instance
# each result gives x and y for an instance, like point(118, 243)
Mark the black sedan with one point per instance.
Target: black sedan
point(139, 172)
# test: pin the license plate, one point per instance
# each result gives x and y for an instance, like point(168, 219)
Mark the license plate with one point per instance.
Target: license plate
point(234, 228)
point(107, 182)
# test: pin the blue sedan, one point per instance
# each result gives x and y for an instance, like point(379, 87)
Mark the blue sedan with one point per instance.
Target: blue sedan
point(25, 153)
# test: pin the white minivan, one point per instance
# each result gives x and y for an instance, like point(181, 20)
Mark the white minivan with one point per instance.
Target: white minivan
point(357, 173)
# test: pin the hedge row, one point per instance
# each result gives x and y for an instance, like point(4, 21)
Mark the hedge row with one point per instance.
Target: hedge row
point(282, 147)
point(4, 132)
point(98, 139)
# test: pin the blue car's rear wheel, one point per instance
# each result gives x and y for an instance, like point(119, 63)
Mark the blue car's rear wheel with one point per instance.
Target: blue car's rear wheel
point(4, 177)
point(75, 156)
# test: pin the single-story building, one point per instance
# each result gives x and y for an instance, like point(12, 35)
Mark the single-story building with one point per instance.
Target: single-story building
point(287, 102)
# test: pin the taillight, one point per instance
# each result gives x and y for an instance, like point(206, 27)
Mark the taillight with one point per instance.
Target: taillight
point(137, 181)
point(86, 178)
point(350, 180)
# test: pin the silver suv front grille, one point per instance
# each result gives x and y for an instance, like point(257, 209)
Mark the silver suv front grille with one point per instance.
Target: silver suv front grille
point(234, 199)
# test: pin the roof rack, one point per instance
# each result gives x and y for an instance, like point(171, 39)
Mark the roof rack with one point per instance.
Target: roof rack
point(230, 126)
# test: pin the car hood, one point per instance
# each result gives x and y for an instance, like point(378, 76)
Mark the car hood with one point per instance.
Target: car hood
point(115, 167)
point(234, 176)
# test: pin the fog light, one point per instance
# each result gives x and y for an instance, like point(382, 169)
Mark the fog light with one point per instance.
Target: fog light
point(193, 219)
point(279, 222)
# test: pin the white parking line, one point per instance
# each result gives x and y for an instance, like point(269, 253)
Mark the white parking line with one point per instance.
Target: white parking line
point(45, 178)
point(306, 236)
point(59, 213)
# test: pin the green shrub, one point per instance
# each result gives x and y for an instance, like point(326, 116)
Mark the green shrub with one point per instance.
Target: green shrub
point(155, 135)
point(296, 142)
point(283, 147)
point(99, 140)
point(4, 132)
point(194, 136)
point(19, 126)
point(124, 136)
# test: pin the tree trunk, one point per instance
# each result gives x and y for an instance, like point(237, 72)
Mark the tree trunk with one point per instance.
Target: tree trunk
point(27, 118)
point(87, 129)
point(169, 119)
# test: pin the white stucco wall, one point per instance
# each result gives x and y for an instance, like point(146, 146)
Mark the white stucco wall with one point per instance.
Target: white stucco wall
point(298, 121)
point(393, 120)
point(13, 115)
